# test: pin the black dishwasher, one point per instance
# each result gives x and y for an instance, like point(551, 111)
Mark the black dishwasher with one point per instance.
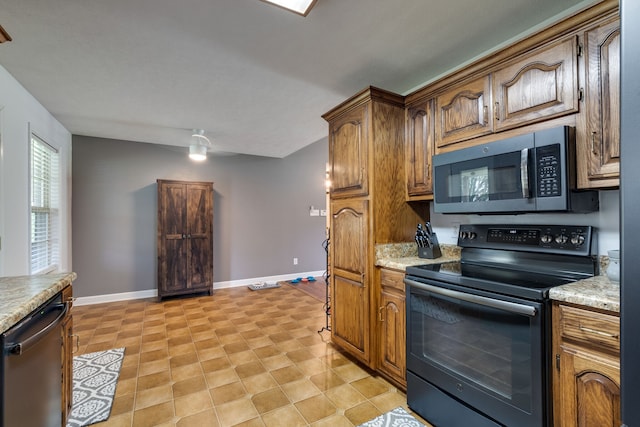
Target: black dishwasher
point(31, 368)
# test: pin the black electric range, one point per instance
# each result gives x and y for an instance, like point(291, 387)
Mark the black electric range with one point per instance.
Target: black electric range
point(517, 260)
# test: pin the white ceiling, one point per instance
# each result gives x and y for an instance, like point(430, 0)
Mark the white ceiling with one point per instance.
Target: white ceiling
point(256, 77)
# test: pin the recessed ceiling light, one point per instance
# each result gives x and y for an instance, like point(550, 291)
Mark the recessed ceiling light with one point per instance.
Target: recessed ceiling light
point(301, 7)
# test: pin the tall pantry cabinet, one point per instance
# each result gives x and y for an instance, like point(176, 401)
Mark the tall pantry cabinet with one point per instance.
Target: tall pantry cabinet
point(367, 207)
point(185, 237)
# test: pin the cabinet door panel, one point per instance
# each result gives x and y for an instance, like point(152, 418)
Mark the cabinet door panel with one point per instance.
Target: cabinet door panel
point(174, 215)
point(350, 290)
point(538, 87)
point(199, 214)
point(602, 50)
point(348, 152)
point(173, 251)
point(590, 390)
point(419, 149)
point(392, 345)
point(349, 238)
point(67, 356)
point(463, 112)
point(349, 312)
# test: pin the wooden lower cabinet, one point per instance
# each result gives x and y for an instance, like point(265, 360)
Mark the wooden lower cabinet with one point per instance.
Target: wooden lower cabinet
point(350, 292)
point(392, 327)
point(67, 355)
point(586, 379)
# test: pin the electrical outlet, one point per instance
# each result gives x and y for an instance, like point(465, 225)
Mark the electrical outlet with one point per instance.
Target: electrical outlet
point(295, 261)
point(455, 228)
point(323, 212)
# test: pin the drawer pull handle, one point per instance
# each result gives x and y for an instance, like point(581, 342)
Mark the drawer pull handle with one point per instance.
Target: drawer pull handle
point(601, 333)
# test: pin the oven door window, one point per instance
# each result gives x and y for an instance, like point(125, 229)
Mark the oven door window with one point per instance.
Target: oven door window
point(495, 351)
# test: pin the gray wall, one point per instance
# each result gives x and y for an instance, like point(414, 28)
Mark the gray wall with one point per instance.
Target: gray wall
point(261, 212)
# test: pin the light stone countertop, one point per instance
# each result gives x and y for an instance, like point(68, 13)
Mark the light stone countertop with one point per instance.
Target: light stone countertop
point(596, 292)
point(399, 256)
point(20, 295)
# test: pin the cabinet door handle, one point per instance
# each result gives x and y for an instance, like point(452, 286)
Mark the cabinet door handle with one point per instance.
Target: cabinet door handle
point(485, 114)
point(597, 332)
point(380, 314)
point(77, 337)
point(497, 111)
point(593, 142)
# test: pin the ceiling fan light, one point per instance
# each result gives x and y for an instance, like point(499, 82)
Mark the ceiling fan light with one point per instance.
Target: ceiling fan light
point(197, 152)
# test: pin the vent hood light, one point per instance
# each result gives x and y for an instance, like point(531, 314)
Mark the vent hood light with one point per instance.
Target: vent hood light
point(301, 7)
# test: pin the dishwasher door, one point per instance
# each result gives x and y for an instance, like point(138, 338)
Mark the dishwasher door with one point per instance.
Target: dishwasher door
point(32, 368)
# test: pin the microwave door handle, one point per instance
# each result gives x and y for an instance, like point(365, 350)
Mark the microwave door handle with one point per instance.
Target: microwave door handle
point(524, 173)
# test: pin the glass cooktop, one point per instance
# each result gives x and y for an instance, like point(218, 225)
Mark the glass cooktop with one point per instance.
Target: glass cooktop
point(504, 280)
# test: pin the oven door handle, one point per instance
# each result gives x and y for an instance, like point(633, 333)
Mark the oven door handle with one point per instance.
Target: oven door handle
point(511, 307)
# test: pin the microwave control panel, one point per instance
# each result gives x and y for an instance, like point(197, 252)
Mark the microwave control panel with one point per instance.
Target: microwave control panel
point(548, 170)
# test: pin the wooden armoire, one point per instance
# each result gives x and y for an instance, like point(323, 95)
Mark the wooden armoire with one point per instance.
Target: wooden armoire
point(185, 237)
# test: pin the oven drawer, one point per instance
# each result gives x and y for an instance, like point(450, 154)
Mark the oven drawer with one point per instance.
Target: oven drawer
point(589, 327)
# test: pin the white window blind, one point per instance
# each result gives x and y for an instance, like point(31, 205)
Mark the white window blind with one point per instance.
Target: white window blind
point(45, 184)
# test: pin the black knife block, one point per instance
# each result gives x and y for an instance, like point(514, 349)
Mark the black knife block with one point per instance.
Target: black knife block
point(431, 252)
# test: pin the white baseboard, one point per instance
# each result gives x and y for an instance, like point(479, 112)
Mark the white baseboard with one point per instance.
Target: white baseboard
point(152, 293)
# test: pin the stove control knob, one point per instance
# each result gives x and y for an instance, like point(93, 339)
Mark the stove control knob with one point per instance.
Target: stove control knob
point(561, 239)
point(546, 238)
point(472, 235)
point(577, 240)
point(464, 235)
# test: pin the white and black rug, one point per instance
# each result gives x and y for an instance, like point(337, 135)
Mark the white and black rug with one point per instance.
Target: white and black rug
point(95, 376)
point(397, 417)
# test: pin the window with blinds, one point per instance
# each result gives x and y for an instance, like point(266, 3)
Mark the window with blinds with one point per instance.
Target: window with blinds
point(45, 184)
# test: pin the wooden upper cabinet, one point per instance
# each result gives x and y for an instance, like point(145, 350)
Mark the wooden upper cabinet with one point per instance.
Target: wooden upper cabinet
point(538, 86)
point(348, 152)
point(419, 146)
point(601, 152)
point(463, 112)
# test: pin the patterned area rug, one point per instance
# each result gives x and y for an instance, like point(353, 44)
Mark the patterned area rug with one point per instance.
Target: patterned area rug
point(95, 376)
point(397, 417)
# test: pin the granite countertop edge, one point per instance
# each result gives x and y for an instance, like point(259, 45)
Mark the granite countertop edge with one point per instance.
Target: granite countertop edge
point(595, 292)
point(20, 295)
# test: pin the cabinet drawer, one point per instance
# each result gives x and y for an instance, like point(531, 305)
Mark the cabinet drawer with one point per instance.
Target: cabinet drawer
point(596, 329)
point(392, 279)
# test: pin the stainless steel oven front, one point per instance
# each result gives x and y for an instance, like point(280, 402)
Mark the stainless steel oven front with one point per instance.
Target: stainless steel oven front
point(475, 351)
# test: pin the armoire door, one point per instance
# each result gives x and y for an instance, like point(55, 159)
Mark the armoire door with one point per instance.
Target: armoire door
point(199, 236)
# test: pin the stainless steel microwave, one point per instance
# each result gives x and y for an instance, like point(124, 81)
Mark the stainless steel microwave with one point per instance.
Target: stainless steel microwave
point(534, 172)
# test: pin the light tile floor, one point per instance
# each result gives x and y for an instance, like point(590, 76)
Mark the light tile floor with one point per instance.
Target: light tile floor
point(237, 358)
